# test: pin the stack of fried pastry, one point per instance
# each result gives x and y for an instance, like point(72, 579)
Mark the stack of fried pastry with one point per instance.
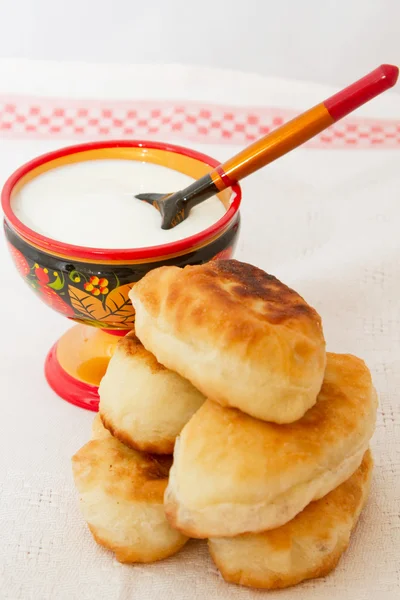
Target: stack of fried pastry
point(122, 473)
point(271, 459)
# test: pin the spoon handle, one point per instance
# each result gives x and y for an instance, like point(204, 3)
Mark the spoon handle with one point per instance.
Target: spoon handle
point(304, 127)
point(176, 207)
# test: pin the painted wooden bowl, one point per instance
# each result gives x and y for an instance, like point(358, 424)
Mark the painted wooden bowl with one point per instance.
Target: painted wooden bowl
point(90, 285)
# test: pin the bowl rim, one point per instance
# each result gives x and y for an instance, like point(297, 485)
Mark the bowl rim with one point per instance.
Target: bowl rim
point(53, 246)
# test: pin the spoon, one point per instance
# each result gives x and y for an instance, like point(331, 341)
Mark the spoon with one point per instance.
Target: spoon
point(175, 207)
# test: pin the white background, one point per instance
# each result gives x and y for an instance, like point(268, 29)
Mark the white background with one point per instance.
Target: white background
point(328, 41)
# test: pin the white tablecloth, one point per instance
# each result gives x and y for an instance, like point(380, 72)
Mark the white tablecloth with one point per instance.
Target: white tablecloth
point(325, 219)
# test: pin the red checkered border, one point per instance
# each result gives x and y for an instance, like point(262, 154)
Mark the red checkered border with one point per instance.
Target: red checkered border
point(26, 117)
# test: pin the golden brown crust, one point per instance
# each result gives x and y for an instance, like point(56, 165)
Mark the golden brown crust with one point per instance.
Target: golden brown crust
point(233, 282)
point(130, 346)
point(121, 498)
point(164, 446)
point(274, 581)
point(239, 335)
point(130, 475)
point(233, 289)
point(307, 547)
point(129, 555)
point(252, 475)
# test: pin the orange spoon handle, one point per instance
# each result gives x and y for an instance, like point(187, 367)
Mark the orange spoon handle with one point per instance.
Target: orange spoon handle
point(175, 208)
point(304, 127)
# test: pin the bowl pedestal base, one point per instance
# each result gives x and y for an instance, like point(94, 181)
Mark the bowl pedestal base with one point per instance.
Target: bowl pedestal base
point(77, 362)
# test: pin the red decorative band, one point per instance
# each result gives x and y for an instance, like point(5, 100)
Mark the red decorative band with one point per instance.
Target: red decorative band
point(117, 332)
point(227, 181)
point(27, 117)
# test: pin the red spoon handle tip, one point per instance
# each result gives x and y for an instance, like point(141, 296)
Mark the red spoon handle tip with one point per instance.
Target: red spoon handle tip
point(341, 104)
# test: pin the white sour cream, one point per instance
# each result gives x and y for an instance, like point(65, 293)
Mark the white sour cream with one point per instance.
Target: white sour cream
point(92, 204)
